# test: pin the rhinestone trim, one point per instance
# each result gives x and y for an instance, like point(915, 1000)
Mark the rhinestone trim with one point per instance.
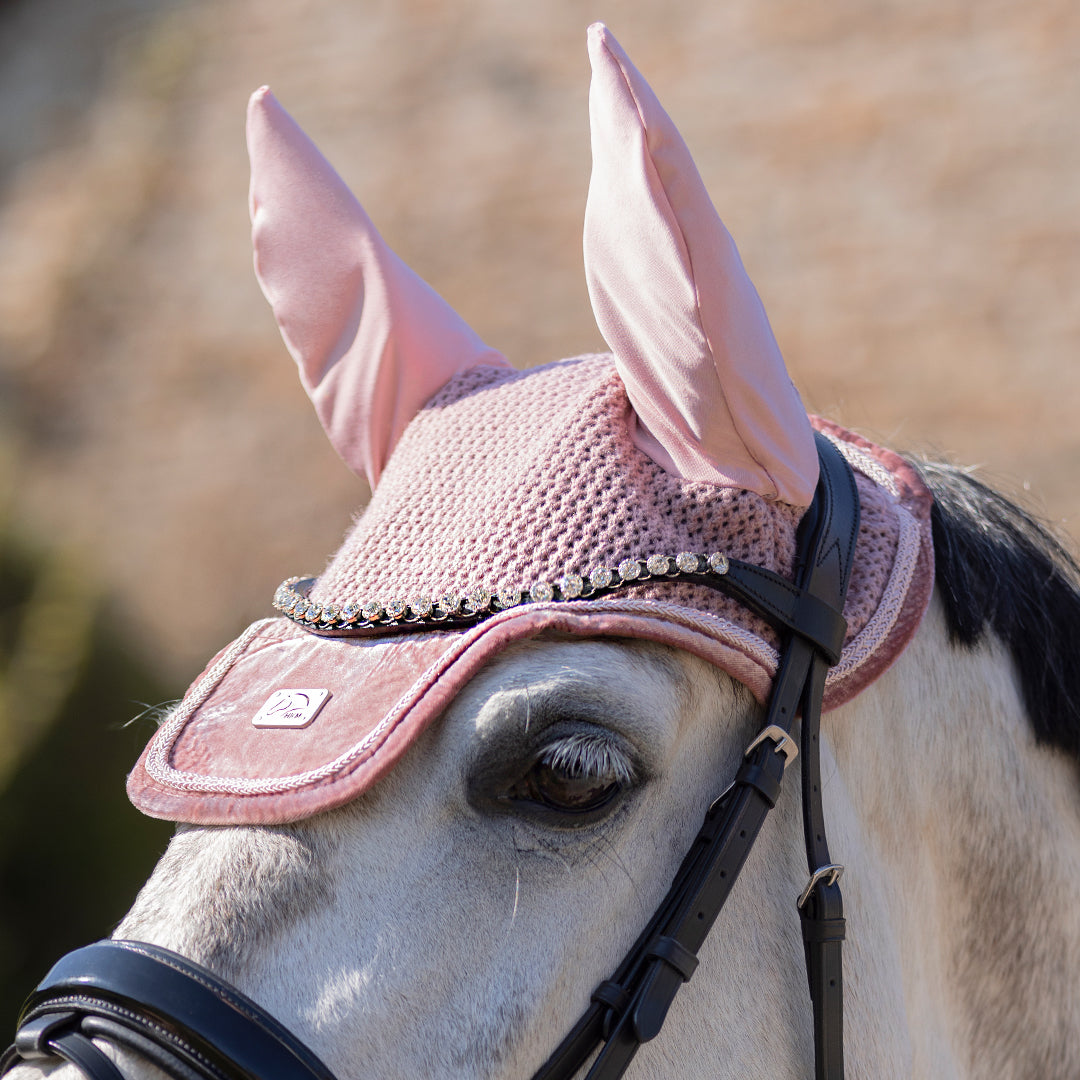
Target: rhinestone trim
point(602, 578)
point(542, 592)
point(479, 602)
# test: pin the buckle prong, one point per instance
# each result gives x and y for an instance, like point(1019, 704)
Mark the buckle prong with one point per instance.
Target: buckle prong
point(785, 744)
point(829, 874)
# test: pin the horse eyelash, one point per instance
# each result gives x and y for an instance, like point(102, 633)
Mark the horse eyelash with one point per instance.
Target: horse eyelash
point(589, 756)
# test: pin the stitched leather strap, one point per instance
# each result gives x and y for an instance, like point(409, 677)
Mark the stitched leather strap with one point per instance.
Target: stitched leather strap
point(80, 1051)
point(703, 883)
point(145, 996)
point(822, 913)
point(58, 1036)
point(777, 601)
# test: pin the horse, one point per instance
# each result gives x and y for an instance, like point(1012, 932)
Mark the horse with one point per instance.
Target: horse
point(424, 813)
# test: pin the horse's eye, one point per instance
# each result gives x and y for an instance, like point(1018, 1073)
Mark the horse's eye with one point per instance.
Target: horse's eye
point(579, 775)
point(563, 787)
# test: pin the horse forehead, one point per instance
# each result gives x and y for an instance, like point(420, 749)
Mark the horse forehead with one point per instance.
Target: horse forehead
point(638, 687)
point(602, 668)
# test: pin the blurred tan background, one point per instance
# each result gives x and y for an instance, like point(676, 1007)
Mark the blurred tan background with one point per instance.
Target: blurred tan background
point(901, 177)
point(903, 180)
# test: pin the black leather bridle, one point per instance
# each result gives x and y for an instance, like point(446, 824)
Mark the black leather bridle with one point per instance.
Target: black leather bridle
point(629, 1008)
point(195, 1026)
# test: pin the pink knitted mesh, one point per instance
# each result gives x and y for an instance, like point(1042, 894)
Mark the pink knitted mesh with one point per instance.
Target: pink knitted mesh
point(507, 478)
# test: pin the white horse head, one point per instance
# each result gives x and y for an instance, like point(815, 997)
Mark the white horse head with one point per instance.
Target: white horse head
point(422, 851)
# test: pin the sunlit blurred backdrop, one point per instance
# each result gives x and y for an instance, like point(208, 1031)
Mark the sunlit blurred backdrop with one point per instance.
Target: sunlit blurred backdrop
point(902, 177)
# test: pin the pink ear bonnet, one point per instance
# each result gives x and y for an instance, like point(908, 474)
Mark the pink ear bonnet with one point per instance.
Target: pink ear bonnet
point(507, 503)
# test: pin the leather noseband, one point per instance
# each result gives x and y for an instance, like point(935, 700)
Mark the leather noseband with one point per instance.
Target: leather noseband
point(175, 1013)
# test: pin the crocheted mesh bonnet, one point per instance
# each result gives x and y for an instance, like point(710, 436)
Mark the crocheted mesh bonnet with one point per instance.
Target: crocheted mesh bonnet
point(509, 478)
point(513, 482)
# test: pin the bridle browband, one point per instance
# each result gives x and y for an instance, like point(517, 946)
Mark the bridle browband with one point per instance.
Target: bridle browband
point(195, 1026)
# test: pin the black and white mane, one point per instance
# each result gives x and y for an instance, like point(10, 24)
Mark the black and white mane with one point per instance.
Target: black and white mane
point(999, 570)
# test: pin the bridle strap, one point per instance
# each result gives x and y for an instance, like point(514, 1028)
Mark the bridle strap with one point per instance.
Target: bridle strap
point(821, 907)
point(630, 1007)
point(57, 1036)
point(175, 1012)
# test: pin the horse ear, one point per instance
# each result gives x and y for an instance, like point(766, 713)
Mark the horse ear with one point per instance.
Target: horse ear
point(372, 340)
point(702, 368)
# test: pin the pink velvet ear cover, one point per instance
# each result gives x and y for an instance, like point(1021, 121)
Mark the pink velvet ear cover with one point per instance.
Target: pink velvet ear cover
point(372, 340)
point(690, 336)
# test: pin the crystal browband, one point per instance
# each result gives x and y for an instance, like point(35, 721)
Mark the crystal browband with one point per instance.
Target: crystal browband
point(471, 605)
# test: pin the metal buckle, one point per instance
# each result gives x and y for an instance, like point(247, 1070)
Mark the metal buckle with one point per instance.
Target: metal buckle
point(785, 744)
point(830, 874)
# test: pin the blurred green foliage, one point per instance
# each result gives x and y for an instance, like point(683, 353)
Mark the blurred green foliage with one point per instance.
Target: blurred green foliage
point(73, 851)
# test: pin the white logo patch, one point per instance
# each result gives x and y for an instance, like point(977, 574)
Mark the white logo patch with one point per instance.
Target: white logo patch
point(290, 708)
